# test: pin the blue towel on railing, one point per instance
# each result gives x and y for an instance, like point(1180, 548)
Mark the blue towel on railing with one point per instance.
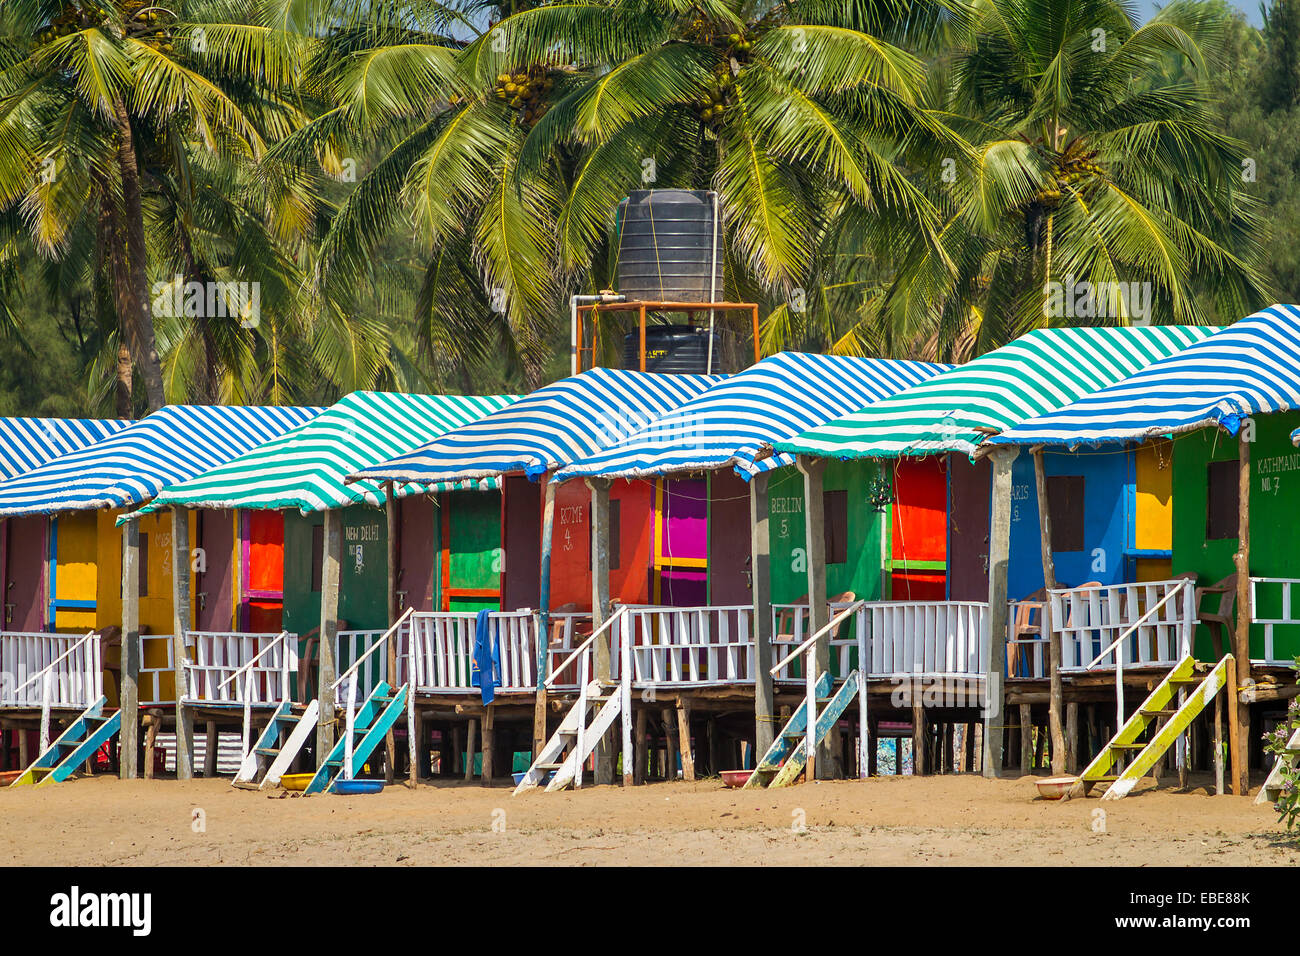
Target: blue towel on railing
point(486, 659)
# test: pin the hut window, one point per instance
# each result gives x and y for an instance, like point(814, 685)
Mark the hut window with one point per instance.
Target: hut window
point(1221, 500)
point(1065, 504)
point(835, 504)
point(317, 555)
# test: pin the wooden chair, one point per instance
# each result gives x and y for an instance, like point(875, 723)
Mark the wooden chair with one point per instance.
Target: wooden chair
point(308, 645)
point(786, 616)
point(1028, 623)
point(1219, 622)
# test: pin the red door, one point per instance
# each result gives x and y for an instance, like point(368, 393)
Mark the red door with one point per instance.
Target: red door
point(262, 608)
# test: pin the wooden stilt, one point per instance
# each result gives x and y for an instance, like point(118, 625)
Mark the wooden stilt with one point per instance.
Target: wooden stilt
point(1241, 635)
point(470, 733)
point(918, 737)
point(1217, 741)
point(601, 609)
point(331, 562)
point(129, 735)
point(826, 764)
point(671, 750)
point(684, 739)
point(544, 621)
point(181, 623)
point(1059, 748)
point(212, 742)
point(760, 551)
point(639, 749)
point(1026, 739)
point(999, 558)
point(489, 744)
point(1237, 744)
point(1071, 738)
point(394, 611)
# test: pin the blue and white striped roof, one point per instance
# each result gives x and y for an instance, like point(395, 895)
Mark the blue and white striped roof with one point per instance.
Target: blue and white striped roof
point(780, 397)
point(556, 425)
point(1249, 368)
point(27, 443)
point(132, 465)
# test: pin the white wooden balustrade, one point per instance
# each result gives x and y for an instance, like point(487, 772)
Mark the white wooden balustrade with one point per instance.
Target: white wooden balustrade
point(214, 657)
point(1280, 596)
point(689, 646)
point(75, 682)
point(924, 638)
point(445, 654)
point(1090, 619)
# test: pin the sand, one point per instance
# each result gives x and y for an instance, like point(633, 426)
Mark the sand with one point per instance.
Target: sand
point(103, 821)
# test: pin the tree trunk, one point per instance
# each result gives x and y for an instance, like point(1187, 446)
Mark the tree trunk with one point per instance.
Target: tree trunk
point(125, 409)
point(130, 266)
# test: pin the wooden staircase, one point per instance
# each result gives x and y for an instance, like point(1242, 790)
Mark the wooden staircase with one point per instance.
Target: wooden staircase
point(575, 739)
point(381, 710)
point(785, 759)
point(1272, 788)
point(1170, 719)
point(74, 746)
point(275, 749)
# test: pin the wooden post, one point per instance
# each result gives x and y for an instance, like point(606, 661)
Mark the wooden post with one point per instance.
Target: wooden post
point(760, 558)
point(1218, 739)
point(489, 744)
point(918, 736)
point(470, 734)
point(212, 743)
point(684, 739)
point(1060, 747)
point(642, 327)
point(639, 749)
point(180, 625)
point(1241, 635)
point(813, 470)
point(331, 561)
point(1071, 738)
point(130, 695)
point(390, 513)
point(544, 616)
point(670, 751)
point(1236, 745)
point(600, 608)
point(996, 644)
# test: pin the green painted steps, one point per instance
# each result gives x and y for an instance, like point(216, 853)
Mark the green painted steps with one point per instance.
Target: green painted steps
point(74, 746)
point(280, 742)
point(786, 758)
point(374, 718)
point(1170, 718)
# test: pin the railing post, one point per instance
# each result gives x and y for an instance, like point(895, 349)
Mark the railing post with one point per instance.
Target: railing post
point(248, 710)
point(625, 689)
point(864, 669)
point(45, 712)
point(347, 744)
point(582, 720)
point(412, 682)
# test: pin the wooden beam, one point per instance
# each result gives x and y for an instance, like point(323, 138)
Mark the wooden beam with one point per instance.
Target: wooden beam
point(684, 739)
point(601, 609)
point(489, 744)
point(130, 691)
point(544, 614)
point(394, 610)
point(331, 562)
point(469, 748)
point(996, 644)
point(813, 470)
point(212, 743)
point(180, 625)
point(1241, 635)
point(1060, 747)
point(760, 572)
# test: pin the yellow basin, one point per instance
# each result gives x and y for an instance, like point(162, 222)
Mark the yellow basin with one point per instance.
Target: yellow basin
point(296, 781)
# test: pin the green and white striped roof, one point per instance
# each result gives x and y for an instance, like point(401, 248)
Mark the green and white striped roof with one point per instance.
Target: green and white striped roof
point(305, 468)
point(956, 410)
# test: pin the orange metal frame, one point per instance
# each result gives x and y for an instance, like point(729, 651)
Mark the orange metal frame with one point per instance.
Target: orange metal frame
point(643, 309)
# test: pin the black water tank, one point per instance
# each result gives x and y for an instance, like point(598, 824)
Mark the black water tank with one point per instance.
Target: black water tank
point(672, 350)
point(663, 238)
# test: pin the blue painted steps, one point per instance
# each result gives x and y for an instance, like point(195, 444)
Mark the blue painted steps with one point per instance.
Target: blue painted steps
point(381, 711)
point(73, 747)
point(785, 759)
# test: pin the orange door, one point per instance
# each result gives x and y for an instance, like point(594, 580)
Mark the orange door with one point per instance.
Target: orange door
point(262, 605)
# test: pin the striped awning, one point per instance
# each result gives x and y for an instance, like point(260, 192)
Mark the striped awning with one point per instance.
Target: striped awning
point(556, 425)
point(27, 443)
point(957, 410)
point(1251, 367)
point(134, 464)
point(306, 468)
point(731, 423)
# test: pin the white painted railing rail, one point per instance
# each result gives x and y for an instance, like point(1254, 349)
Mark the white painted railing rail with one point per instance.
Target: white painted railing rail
point(1288, 615)
point(286, 657)
point(445, 642)
point(72, 665)
point(924, 638)
point(691, 646)
point(236, 667)
point(47, 676)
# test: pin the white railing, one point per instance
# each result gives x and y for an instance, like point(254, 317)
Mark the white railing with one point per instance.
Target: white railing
point(790, 630)
point(1289, 615)
point(72, 664)
point(565, 631)
point(808, 649)
point(446, 641)
point(1139, 625)
point(924, 638)
point(45, 679)
point(232, 667)
point(351, 679)
point(153, 677)
point(695, 646)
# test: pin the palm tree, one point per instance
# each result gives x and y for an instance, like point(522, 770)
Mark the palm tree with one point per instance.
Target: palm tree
point(1094, 157)
point(93, 95)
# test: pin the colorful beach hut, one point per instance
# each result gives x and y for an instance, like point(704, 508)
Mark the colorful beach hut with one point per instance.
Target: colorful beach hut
point(125, 578)
point(543, 534)
point(1222, 412)
point(713, 473)
point(949, 417)
point(317, 550)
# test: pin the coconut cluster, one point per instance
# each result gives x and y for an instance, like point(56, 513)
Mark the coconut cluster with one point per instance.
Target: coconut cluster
point(143, 20)
point(525, 91)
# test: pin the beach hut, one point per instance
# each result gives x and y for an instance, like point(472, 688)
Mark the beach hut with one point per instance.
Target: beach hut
point(129, 574)
point(949, 417)
point(545, 563)
point(715, 478)
point(329, 551)
point(1229, 403)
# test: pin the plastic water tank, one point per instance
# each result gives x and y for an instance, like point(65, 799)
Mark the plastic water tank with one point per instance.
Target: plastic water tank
point(673, 350)
point(663, 240)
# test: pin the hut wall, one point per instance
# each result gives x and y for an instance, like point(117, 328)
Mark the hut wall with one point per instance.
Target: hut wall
point(630, 517)
point(1090, 520)
point(729, 541)
point(918, 546)
point(849, 513)
point(214, 589)
point(1204, 529)
point(1152, 505)
point(969, 489)
point(25, 573)
point(417, 555)
point(522, 530)
point(363, 585)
